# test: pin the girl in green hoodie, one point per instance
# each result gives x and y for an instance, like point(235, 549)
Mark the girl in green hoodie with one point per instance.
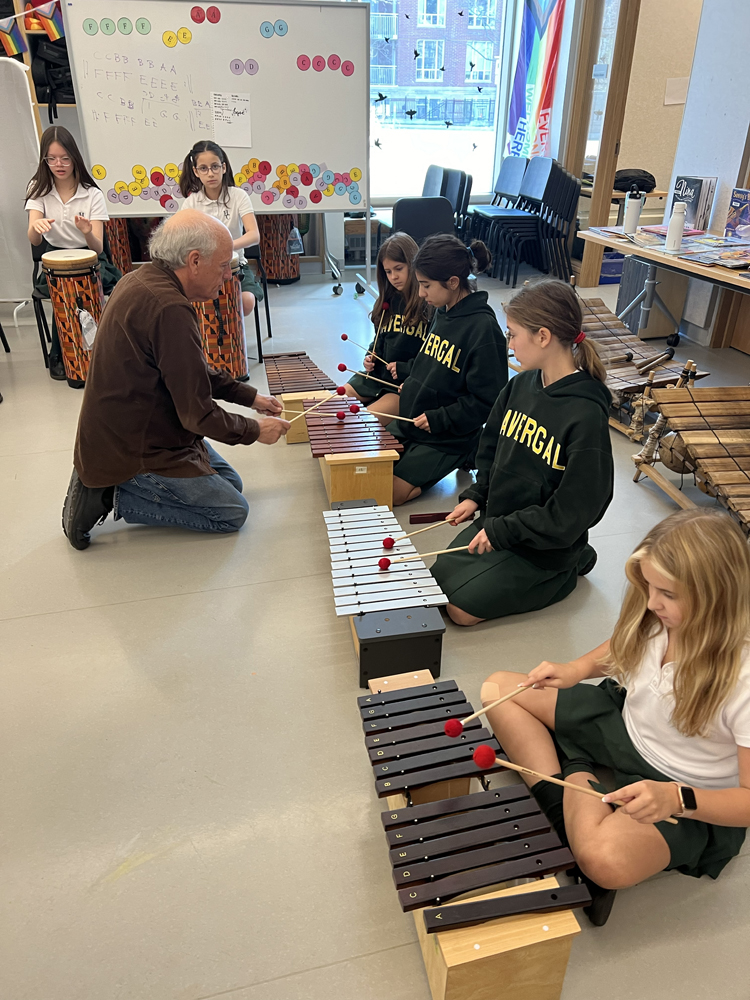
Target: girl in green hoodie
point(458, 373)
point(545, 469)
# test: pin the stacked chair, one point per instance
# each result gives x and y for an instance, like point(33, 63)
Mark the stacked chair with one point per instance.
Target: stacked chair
point(478, 218)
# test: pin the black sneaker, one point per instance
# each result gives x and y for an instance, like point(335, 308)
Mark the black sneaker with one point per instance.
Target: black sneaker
point(588, 566)
point(602, 900)
point(84, 507)
point(57, 370)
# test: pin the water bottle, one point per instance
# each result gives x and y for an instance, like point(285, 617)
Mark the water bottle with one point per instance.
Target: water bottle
point(633, 204)
point(676, 226)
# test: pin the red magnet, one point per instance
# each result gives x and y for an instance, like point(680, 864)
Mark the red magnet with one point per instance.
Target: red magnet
point(198, 15)
point(264, 167)
point(306, 178)
point(315, 197)
point(157, 178)
point(213, 14)
point(293, 190)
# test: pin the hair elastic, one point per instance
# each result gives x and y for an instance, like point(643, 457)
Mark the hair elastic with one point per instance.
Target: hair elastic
point(471, 252)
point(580, 338)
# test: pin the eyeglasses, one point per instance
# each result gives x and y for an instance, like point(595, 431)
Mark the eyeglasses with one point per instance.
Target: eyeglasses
point(215, 168)
point(64, 161)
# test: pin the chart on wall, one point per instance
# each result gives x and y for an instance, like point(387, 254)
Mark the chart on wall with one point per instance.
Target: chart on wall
point(282, 87)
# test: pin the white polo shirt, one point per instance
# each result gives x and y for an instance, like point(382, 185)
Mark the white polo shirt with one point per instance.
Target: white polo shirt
point(88, 202)
point(709, 762)
point(238, 204)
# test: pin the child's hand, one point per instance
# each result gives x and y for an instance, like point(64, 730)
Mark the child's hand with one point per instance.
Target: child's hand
point(368, 363)
point(647, 801)
point(422, 423)
point(83, 224)
point(480, 543)
point(462, 512)
point(391, 366)
point(42, 226)
point(554, 675)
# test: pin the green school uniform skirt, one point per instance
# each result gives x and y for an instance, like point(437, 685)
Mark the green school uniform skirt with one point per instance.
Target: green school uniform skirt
point(369, 391)
point(500, 583)
point(589, 725)
point(250, 283)
point(421, 465)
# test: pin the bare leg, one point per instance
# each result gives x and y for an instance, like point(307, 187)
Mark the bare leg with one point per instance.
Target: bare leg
point(248, 303)
point(352, 394)
point(387, 404)
point(462, 617)
point(403, 491)
point(522, 725)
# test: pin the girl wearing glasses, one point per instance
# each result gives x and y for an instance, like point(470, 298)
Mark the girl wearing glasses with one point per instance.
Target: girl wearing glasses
point(207, 184)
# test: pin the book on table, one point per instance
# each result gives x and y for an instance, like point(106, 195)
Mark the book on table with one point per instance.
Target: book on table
point(698, 195)
point(738, 216)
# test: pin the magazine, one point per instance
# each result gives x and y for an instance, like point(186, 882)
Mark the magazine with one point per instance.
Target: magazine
point(698, 195)
point(738, 217)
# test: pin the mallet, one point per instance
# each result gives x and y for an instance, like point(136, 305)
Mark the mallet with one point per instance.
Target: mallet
point(389, 542)
point(484, 758)
point(384, 563)
point(340, 391)
point(342, 368)
point(454, 727)
point(372, 354)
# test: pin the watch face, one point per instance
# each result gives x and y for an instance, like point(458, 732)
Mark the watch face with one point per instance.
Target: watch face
point(688, 797)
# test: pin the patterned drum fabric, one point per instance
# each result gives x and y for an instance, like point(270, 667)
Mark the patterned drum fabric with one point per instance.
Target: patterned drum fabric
point(74, 283)
point(119, 244)
point(274, 232)
point(223, 328)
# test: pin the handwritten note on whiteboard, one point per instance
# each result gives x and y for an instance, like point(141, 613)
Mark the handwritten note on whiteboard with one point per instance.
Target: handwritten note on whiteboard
point(231, 119)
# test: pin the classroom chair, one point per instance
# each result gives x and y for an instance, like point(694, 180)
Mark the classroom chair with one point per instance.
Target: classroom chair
point(434, 182)
point(505, 195)
point(254, 254)
point(422, 217)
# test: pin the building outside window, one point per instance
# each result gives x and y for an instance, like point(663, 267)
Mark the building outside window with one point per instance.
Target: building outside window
point(482, 14)
point(480, 62)
point(429, 63)
point(431, 14)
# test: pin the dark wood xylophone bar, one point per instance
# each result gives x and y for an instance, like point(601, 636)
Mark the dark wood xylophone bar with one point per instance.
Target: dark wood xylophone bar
point(394, 738)
point(294, 372)
point(437, 819)
point(478, 911)
point(439, 742)
point(413, 705)
point(522, 826)
point(405, 694)
point(414, 719)
point(357, 432)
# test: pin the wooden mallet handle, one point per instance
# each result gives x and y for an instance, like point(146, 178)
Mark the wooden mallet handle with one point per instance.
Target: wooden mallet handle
point(425, 555)
point(367, 350)
point(391, 416)
point(371, 377)
point(487, 708)
point(420, 530)
point(305, 412)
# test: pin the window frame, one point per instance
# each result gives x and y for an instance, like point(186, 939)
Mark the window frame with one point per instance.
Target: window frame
point(439, 44)
point(473, 76)
point(424, 20)
point(488, 20)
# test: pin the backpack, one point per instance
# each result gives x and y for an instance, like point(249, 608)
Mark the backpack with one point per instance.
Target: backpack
point(50, 71)
point(625, 178)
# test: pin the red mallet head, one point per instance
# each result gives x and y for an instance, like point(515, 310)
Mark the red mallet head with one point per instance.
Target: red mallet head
point(354, 408)
point(484, 757)
point(389, 542)
point(341, 390)
point(385, 305)
point(341, 415)
point(341, 367)
point(384, 563)
point(454, 727)
point(344, 336)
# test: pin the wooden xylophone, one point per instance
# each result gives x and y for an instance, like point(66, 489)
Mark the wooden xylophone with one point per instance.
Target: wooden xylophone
point(294, 372)
point(356, 454)
point(359, 586)
point(711, 440)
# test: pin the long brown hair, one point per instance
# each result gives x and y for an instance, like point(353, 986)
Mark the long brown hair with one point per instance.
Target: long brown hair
point(706, 555)
point(442, 257)
point(401, 249)
point(554, 304)
point(43, 180)
point(190, 182)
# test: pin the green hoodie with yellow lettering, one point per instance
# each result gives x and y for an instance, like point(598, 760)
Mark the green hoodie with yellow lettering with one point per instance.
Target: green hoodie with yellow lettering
point(456, 377)
point(545, 469)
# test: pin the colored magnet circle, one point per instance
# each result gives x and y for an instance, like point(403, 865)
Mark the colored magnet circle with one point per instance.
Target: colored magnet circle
point(171, 205)
point(245, 172)
point(303, 62)
point(125, 26)
point(293, 190)
point(247, 187)
point(304, 168)
point(170, 39)
point(184, 35)
point(135, 188)
point(300, 202)
point(154, 193)
point(292, 168)
point(157, 178)
point(251, 67)
point(284, 183)
point(112, 195)
point(328, 176)
point(254, 164)
point(337, 178)
point(352, 187)
point(143, 26)
point(340, 188)
point(170, 170)
point(295, 178)
point(237, 67)
point(90, 26)
point(164, 189)
point(258, 187)
point(120, 186)
point(356, 174)
point(198, 15)
point(318, 64)
point(280, 27)
point(281, 170)
point(315, 169)
point(334, 62)
point(315, 197)
point(347, 67)
point(98, 172)
point(213, 14)
point(164, 199)
point(139, 172)
point(258, 176)
point(306, 178)
point(239, 179)
point(328, 191)
point(125, 197)
point(146, 194)
point(267, 198)
point(320, 184)
point(264, 167)
point(108, 26)
point(287, 201)
point(266, 29)
point(347, 179)
point(355, 197)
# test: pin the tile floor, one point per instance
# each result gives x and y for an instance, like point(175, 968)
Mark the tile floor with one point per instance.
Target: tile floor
point(186, 806)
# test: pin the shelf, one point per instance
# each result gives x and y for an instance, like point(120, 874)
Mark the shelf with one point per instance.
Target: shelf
point(44, 104)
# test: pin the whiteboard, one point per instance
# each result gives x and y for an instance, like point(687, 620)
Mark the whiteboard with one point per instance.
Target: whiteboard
point(283, 86)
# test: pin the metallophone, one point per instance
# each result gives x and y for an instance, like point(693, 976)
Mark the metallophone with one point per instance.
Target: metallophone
point(356, 453)
point(293, 377)
point(445, 840)
point(393, 616)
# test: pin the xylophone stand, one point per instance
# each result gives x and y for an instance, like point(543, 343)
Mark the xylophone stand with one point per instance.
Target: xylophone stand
point(292, 403)
point(404, 640)
point(359, 474)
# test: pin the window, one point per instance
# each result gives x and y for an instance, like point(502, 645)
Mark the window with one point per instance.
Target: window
point(482, 14)
point(430, 59)
point(480, 62)
point(431, 14)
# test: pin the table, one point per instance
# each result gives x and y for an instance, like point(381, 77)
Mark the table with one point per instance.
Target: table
point(721, 276)
point(619, 197)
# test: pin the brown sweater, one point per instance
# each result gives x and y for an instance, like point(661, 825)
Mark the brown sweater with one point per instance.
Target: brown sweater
point(149, 396)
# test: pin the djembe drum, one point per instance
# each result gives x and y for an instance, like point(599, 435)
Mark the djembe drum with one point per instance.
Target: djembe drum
point(74, 283)
point(223, 328)
point(119, 244)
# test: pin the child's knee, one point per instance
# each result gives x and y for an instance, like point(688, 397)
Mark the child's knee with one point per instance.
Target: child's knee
point(460, 617)
point(601, 860)
point(498, 683)
point(248, 303)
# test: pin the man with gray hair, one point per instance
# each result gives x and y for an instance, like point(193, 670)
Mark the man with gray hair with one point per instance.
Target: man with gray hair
point(150, 398)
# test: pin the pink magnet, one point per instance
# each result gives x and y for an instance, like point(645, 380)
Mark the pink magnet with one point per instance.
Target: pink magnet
point(318, 64)
point(346, 179)
point(304, 168)
point(337, 178)
point(213, 14)
point(125, 197)
point(334, 62)
point(347, 68)
point(237, 67)
point(267, 198)
point(287, 201)
point(303, 63)
point(258, 187)
point(113, 196)
point(300, 202)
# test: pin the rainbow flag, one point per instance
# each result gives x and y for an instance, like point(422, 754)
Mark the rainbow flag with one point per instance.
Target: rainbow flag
point(11, 37)
point(51, 20)
point(534, 79)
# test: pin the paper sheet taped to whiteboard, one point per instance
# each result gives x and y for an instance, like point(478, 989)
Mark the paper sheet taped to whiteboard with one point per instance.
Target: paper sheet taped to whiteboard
point(231, 118)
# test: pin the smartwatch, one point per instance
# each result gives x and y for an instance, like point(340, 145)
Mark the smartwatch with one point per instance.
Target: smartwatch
point(687, 800)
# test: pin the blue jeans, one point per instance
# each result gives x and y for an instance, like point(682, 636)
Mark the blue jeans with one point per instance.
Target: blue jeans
point(201, 503)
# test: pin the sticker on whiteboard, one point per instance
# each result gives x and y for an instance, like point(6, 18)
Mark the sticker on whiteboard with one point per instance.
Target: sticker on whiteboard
point(170, 170)
point(231, 118)
point(184, 35)
point(112, 195)
point(90, 26)
point(318, 64)
point(146, 194)
point(266, 29)
point(280, 27)
point(293, 190)
point(340, 188)
point(213, 14)
point(108, 26)
point(139, 172)
point(315, 197)
point(120, 186)
point(355, 197)
point(157, 178)
point(275, 195)
point(328, 176)
point(264, 167)
point(356, 174)
point(237, 67)
point(328, 191)
point(300, 202)
point(135, 188)
point(251, 67)
point(347, 67)
point(287, 201)
point(198, 15)
point(125, 26)
point(303, 62)
point(125, 197)
point(170, 39)
point(314, 169)
point(295, 178)
point(258, 187)
point(352, 187)
point(143, 26)
point(306, 178)
point(98, 172)
point(267, 198)
point(334, 62)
